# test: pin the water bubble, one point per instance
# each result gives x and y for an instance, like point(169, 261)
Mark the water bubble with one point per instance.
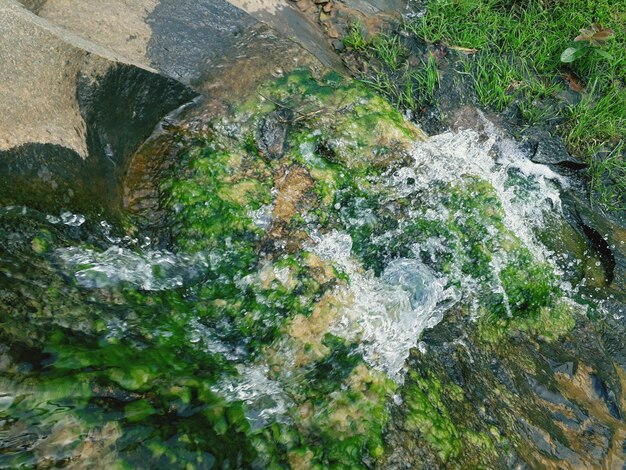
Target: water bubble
point(73, 220)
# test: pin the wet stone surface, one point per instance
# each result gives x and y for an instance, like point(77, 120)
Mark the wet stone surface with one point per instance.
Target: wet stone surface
point(323, 287)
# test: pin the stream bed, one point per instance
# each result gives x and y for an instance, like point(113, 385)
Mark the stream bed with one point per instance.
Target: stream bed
point(284, 313)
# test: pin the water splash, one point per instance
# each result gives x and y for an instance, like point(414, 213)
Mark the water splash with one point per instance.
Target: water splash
point(67, 218)
point(526, 190)
point(386, 314)
point(265, 399)
point(148, 270)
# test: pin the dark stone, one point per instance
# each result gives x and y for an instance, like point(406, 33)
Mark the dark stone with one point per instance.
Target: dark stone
point(522, 388)
point(273, 133)
point(190, 36)
point(606, 236)
point(338, 45)
point(607, 395)
point(549, 150)
point(566, 368)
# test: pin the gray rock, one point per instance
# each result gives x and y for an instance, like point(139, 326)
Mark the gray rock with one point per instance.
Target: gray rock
point(373, 7)
point(179, 38)
point(273, 133)
point(184, 39)
point(606, 236)
point(288, 20)
point(83, 84)
point(549, 150)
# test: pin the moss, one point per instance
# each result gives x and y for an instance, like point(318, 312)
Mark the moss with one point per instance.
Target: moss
point(432, 409)
point(351, 423)
point(529, 286)
point(427, 413)
point(152, 360)
point(550, 323)
point(42, 243)
point(138, 410)
point(354, 127)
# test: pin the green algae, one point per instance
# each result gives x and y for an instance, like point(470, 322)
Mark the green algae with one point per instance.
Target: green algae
point(350, 125)
point(427, 411)
point(344, 190)
point(549, 322)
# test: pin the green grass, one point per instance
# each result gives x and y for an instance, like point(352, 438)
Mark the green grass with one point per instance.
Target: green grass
point(408, 87)
point(598, 119)
point(355, 39)
point(517, 62)
point(494, 78)
point(609, 173)
point(388, 72)
point(389, 50)
point(514, 62)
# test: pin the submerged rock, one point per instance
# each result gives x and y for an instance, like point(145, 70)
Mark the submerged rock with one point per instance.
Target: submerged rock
point(273, 133)
point(521, 400)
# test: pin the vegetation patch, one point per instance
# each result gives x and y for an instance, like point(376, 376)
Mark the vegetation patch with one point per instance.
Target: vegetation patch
point(559, 64)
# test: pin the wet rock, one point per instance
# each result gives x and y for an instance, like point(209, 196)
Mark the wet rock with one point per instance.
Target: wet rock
point(293, 185)
point(273, 133)
point(547, 413)
point(566, 368)
point(180, 38)
point(376, 6)
point(607, 395)
point(549, 150)
point(338, 45)
point(289, 21)
point(606, 236)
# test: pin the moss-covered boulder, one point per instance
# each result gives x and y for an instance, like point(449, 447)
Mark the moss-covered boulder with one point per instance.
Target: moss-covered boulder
point(314, 235)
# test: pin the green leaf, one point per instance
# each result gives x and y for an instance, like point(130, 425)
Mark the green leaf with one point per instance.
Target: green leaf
point(604, 54)
point(572, 53)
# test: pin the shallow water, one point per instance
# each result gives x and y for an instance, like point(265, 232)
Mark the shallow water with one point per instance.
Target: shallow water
point(259, 339)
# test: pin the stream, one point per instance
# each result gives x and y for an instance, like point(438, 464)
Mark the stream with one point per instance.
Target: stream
point(309, 239)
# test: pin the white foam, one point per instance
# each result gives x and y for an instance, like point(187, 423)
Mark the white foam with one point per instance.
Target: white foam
point(148, 270)
point(265, 399)
point(387, 313)
point(447, 157)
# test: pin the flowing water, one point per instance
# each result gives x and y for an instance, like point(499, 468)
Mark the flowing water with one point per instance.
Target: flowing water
point(274, 330)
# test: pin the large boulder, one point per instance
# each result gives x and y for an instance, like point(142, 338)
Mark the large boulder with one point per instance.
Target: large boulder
point(89, 81)
point(86, 82)
point(71, 112)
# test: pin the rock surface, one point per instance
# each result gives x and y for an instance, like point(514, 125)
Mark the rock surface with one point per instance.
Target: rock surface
point(543, 404)
point(103, 66)
point(111, 72)
point(179, 38)
point(72, 112)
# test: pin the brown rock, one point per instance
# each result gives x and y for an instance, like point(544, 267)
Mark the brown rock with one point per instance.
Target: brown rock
point(292, 187)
